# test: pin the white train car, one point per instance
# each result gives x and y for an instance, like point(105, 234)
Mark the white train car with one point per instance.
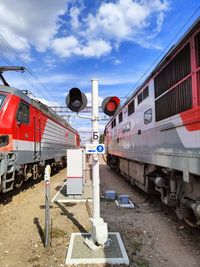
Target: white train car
point(154, 139)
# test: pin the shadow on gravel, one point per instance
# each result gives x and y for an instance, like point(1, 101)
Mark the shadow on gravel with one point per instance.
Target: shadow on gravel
point(60, 186)
point(40, 230)
point(6, 198)
point(70, 216)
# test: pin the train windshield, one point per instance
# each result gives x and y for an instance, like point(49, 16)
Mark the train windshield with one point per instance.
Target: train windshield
point(2, 97)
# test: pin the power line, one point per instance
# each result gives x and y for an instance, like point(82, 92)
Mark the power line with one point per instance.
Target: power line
point(25, 78)
point(144, 74)
point(10, 48)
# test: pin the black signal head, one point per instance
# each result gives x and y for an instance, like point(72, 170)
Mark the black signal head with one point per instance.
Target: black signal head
point(76, 100)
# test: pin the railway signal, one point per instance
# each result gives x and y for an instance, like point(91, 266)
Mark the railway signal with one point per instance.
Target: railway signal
point(110, 105)
point(76, 100)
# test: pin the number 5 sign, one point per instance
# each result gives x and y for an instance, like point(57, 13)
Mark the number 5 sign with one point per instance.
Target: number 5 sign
point(95, 135)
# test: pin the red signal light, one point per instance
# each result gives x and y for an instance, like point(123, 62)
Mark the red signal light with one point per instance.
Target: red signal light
point(110, 105)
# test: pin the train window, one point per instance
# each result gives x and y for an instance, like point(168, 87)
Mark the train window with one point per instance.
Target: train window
point(2, 97)
point(143, 95)
point(148, 116)
point(128, 126)
point(120, 116)
point(131, 107)
point(139, 98)
point(113, 124)
point(145, 92)
point(23, 113)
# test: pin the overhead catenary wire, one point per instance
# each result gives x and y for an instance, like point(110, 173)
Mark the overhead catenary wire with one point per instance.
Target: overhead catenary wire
point(35, 88)
point(159, 56)
point(24, 76)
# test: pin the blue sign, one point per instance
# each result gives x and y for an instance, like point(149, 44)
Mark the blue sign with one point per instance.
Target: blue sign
point(95, 149)
point(100, 148)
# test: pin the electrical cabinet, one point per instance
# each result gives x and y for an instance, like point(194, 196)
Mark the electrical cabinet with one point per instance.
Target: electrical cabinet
point(74, 172)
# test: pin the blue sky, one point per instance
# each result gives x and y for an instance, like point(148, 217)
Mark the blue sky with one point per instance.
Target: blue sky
point(66, 43)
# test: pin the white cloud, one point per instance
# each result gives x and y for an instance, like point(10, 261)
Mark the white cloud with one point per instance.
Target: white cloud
point(25, 23)
point(96, 34)
point(64, 47)
point(68, 46)
point(89, 98)
point(95, 48)
point(74, 14)
point(117, 21)
point(117, 62)
point(125, 19)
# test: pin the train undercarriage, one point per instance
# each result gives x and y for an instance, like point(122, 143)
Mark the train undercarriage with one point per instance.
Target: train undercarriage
point(13, 175)
point(182, 197)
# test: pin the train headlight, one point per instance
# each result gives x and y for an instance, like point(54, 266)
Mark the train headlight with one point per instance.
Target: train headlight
point(4, 140)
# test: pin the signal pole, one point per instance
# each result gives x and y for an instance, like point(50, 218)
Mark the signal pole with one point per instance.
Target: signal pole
point(99, 233)
point(95, 158)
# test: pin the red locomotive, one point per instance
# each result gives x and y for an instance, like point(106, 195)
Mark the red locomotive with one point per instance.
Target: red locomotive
point(31, 136)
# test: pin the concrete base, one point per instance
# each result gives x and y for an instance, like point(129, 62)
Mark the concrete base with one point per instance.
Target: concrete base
point(112, 253)
point(62, 197)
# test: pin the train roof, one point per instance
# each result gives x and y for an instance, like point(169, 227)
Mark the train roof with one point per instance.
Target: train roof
point(37, 104)
point(163, 61)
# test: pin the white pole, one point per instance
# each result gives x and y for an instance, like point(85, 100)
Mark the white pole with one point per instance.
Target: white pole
point(99, 232)
point(95, 158)
point(47, 203)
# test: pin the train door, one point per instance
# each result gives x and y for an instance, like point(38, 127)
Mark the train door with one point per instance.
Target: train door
point(23, 144)
point(37, 136)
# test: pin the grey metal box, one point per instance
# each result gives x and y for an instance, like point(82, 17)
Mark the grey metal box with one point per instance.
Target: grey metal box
point(74, 172)
point(74, 186)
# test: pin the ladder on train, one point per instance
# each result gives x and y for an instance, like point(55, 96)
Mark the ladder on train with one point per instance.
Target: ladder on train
point(7, 170)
